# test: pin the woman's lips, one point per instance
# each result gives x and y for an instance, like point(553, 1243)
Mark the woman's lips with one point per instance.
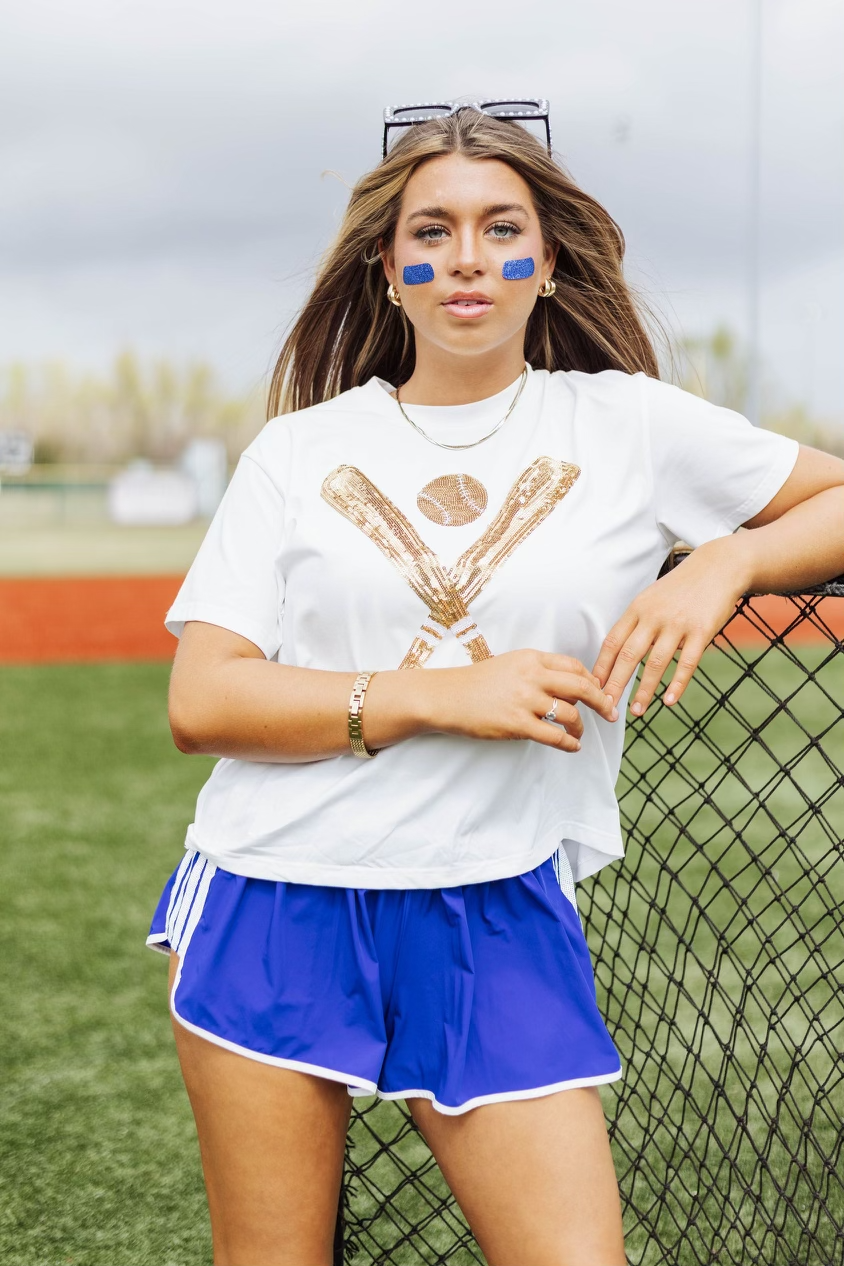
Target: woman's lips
point(465, 309)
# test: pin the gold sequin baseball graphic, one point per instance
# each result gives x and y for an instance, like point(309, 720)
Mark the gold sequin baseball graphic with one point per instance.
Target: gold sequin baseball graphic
point(452, 500)
point(448, 591)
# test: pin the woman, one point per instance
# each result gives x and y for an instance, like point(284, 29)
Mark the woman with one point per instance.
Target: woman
point(478, 473)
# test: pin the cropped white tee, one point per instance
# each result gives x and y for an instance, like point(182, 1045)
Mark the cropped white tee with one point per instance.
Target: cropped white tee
point(346, 541)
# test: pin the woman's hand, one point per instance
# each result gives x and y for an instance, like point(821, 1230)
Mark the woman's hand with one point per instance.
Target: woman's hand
point(683, 610)
point(507, 696)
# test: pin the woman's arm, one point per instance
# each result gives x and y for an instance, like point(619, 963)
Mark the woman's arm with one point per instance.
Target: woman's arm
point(226, 699)
point(796, 540)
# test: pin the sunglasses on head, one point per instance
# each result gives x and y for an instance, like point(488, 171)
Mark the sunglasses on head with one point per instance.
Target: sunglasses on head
point(514, 111)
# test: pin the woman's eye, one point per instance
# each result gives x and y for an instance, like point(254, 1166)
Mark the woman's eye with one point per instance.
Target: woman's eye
point(502, 231)
point(432, 233)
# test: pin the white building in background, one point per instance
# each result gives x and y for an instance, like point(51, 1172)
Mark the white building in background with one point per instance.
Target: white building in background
point(141, 496)
point(16, 453)
point(206, 463)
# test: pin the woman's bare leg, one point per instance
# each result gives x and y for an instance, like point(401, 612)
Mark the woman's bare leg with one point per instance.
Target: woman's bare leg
point(534, 1178)
point(272, 1143)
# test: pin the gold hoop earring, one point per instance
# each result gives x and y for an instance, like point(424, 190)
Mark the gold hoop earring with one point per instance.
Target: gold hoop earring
point(548, 288)
point(393, 295)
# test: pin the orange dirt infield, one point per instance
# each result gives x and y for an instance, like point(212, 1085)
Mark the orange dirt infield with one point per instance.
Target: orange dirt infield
point(104, 618)
point(776, 614)
point(73, 618)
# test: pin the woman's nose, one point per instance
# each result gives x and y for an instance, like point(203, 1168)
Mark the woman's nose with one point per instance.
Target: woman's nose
point(467, 255)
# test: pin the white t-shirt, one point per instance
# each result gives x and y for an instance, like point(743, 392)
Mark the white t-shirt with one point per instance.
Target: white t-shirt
point(325, 554)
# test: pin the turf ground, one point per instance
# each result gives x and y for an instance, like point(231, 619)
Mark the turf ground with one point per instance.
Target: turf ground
point(98, 1159)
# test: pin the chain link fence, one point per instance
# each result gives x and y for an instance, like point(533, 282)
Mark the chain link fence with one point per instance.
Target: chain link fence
point(719, 958)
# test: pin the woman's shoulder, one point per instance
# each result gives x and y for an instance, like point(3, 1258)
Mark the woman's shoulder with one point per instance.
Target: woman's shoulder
point(280, 436)
point(611, 389)
point(607, 404)
point(363, 400)
point(604, 384)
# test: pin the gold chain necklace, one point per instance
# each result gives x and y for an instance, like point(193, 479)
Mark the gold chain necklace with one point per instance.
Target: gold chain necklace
point(489, 434)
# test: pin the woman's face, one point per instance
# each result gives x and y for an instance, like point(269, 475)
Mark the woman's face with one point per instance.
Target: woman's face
point(468, 256)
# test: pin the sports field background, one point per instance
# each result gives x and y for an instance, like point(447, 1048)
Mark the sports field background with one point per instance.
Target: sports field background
point(75, 587)
point(98, 1158)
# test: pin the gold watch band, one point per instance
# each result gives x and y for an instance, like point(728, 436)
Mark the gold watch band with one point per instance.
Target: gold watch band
point(356, 717)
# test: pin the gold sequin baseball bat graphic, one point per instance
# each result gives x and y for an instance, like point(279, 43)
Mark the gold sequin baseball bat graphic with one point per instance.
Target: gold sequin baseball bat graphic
point(447, 592)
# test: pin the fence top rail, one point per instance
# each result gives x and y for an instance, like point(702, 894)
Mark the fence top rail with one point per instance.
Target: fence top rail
point(832, 588)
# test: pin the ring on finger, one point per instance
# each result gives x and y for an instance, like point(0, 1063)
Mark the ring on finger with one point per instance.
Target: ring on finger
point(551, 714)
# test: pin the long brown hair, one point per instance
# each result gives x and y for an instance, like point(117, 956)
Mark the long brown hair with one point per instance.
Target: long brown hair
point(348, 330)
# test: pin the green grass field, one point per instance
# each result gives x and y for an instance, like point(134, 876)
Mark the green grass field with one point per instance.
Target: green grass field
point(98, 1159)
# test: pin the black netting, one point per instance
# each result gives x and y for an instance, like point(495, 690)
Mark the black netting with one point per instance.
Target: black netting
point(719, 957)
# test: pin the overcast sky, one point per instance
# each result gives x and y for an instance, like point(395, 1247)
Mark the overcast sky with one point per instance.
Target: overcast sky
point(162, 163)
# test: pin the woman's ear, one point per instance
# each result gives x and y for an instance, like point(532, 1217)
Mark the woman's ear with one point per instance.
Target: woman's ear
point(549, 259)
point(387, 261)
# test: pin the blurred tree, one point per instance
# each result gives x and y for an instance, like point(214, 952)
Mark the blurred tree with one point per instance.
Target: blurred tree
point(153, 409)
point(797, 423)
point(136, 410)
point(716, 367)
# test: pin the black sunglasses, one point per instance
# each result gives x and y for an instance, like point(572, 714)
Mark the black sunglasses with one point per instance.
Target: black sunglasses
point(520, 111)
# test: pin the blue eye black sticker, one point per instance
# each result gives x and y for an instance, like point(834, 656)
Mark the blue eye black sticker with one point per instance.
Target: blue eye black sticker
point(516, 269)
point(416, 274)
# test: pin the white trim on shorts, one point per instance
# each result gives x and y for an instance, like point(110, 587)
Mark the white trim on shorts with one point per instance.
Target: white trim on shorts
point(187, 902)
point(355, 1085)
point(505, 1096)
point(360, 1088)
point(156, 943)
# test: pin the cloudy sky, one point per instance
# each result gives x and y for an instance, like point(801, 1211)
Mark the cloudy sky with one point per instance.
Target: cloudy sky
point(165, 166)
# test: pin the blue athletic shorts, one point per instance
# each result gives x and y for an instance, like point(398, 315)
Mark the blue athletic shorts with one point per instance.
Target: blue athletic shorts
point(465, 995)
